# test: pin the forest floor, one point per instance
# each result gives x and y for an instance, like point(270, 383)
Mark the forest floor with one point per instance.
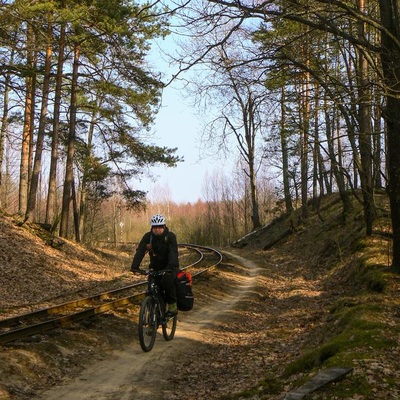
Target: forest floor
point(264, 322)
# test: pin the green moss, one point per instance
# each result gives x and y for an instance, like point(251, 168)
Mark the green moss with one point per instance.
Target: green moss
point(312, 359)
point(376, 278)
point(360, 245)
point(345, 389)
point(372, 277)
point(356, 326)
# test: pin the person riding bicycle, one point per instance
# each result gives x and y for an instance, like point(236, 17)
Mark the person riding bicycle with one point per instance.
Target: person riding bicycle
point(162, 246)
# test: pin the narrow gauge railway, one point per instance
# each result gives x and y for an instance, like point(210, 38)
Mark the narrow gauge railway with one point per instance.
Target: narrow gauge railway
point(62, 315)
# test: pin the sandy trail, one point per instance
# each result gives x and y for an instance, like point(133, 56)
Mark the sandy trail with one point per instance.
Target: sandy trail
point(132, 374)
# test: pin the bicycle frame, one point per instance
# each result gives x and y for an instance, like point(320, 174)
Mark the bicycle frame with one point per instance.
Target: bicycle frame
point(155, 291)
point(153, 313)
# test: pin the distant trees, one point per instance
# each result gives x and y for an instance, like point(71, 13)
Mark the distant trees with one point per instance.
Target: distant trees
point(75, 80)
point(222, 216)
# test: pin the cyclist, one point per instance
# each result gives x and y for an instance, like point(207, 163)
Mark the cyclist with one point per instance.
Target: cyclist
point(162, 246)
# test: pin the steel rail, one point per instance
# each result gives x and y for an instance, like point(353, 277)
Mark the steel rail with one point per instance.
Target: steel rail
point(66, 320)
point(214, 251)
point(84, 301)
point(64, 306)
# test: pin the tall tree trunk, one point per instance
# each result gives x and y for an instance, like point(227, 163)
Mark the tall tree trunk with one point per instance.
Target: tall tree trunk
point(304, 136)
point(50, 207)
point(85, 173)
point(37, 167)
point(69, 169)
point(318, 183)
point(255, 217)
point(320, 174)
point(76, 211)
point(377, 173)
point(390, 56)
point(305, 128)
point(28, 125)
point(6, 180)
point(250, 134)
point(365, 133)
point(285, 155)
point(4, 124)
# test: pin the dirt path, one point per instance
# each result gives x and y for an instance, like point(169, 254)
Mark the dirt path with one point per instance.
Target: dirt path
point(132, 374)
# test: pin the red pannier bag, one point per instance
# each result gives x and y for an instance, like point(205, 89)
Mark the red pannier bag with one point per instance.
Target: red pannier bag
point(184, 291)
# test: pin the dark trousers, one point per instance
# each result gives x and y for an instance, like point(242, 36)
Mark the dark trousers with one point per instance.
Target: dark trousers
point(167, 283)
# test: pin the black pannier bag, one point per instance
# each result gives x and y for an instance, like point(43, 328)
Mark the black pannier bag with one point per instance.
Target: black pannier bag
point(184, 291)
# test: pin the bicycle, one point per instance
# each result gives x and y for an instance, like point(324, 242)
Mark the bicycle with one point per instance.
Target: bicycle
point(153, 313)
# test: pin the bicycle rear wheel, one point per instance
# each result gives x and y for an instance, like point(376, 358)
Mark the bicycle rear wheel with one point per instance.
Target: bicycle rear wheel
point(169, 327)
point(147, 324)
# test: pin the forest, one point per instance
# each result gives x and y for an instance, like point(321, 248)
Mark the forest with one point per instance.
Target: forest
point(305, 95)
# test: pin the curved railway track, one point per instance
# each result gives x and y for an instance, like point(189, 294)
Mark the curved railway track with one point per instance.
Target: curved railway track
point(62, 315)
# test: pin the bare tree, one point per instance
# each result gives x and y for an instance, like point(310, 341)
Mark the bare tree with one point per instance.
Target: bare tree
point(241, 104)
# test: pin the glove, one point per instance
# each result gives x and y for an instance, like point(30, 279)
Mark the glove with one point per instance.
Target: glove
point(138, 271)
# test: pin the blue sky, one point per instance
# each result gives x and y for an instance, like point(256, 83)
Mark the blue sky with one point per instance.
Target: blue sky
point(177, 125)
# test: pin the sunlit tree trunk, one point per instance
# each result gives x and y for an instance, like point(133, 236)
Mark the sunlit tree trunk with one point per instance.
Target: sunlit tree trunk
point(304, 145)
point(69, 169)
point(317, 182)
point(321, 185)
point(365, 133)
point(250, 139)
point(27, 130)
point(51, 206)
point(85, 173)
point(377, 137)
point(4, 124)
point(75, 210)
point(37, 167)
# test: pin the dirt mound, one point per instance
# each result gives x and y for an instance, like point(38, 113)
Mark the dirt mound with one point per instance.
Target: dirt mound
point(33, 272)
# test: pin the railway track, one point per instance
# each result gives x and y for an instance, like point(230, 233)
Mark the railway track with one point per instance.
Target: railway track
point(11, 329)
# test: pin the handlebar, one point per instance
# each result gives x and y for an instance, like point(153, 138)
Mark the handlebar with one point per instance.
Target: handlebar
point(140, 272)
point(150, 272)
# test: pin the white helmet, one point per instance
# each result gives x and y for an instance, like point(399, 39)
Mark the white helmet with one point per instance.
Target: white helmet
point(157, 220)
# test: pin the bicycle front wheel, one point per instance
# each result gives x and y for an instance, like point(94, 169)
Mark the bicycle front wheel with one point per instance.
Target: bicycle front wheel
point(147, 324)
point(169, 327)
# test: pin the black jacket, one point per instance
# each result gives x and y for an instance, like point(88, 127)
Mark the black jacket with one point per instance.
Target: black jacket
point(163, 251)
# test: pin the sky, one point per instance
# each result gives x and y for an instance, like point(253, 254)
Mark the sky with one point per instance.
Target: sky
point(178, 126)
